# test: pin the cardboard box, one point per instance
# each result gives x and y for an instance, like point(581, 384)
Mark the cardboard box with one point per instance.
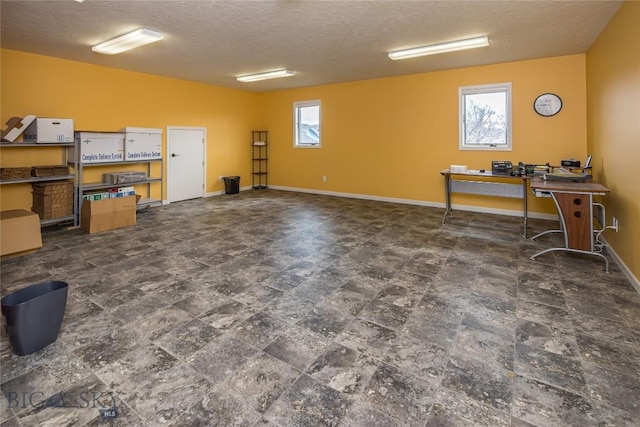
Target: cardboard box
point(141, 144)
point(19, 231)
point(52, 199)
point(52, 170)
point(15, 173)
point(16, 126)
point(108, 214)
point(99, 147)
point(123, 177)
point(49, 130)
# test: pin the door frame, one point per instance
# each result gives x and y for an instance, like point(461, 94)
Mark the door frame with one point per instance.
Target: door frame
point(204, 157)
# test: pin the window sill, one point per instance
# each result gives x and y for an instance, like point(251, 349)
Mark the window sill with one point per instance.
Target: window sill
point(485, 148)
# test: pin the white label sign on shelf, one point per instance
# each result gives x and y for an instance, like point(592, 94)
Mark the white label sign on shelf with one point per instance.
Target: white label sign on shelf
point(141, 144)
point(99, 147)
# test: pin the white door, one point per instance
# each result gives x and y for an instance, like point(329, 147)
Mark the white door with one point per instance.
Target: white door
point(185, 163)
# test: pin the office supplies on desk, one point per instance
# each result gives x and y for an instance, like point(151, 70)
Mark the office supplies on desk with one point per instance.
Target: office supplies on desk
point(528, 169)
point(541, 169)
point(501, 167)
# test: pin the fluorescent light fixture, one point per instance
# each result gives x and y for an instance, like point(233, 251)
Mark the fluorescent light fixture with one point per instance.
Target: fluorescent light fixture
point(440, 48)
point(129, 41)
point(264, 76)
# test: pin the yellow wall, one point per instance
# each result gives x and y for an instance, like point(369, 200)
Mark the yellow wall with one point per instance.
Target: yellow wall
point(390, 137)
point(107, 99)
point(613, 88)
point(384, 137)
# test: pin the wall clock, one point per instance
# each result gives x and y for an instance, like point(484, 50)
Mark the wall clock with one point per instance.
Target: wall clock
point(547, 104)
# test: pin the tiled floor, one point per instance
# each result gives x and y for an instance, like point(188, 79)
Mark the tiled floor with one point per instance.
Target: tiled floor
point(270, 308)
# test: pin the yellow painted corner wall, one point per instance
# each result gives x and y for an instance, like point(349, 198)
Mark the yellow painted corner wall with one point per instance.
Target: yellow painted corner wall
point(390, 137)
point(107, 99)
point(613, 88)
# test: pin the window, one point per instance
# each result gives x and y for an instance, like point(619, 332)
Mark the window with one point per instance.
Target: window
point(485, 117)
point(306, 122)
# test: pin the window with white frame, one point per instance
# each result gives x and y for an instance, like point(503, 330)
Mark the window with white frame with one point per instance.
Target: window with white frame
point(485, 117)
point(306, 124)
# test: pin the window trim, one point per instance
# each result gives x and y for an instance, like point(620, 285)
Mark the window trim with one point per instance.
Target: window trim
point(301, 104)
point(477, 89)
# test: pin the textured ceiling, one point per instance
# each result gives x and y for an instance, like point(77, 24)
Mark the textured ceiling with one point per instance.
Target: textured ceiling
point(323, 41)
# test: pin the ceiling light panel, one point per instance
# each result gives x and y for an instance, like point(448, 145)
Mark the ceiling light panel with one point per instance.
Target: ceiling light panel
point(440, 48)
point(132, 40)
point(264, 76)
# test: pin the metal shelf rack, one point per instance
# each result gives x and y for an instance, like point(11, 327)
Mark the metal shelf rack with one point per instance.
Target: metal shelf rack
point(144, 202)
point(260, 171)
point(64, 148)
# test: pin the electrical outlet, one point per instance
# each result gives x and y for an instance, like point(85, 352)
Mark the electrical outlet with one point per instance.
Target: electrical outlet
point(324, 178)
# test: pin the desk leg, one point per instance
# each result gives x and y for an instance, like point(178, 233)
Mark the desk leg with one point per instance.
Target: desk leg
point(576, 222)
point(526, 214)
point(447, 198)
point(560, 230)
point(546, 232)
point(606, 261)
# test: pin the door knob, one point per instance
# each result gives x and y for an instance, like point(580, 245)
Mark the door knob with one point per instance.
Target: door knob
point(174, 155)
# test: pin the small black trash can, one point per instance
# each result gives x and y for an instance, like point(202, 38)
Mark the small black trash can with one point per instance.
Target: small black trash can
point(231, 184)
point(33, 315)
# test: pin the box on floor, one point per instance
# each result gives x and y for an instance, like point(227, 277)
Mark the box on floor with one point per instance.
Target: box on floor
point(108, 214)
point(19, 231)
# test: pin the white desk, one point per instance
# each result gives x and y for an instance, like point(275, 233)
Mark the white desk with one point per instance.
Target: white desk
point(574, 201)
point(485, 187)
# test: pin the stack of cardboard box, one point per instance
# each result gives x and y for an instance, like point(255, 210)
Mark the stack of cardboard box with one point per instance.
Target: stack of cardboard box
point(53, 199)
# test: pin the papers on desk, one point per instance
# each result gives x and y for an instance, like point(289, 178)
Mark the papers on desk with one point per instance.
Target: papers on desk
point(458, 168)
point(478, 172)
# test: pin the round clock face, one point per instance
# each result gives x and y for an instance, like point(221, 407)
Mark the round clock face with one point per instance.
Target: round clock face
point(547, 104)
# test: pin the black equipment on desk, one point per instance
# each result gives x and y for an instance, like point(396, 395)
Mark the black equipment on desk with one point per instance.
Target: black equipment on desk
point(541, 169)
point(501, 167)
point(571, 163)
point(567, 176)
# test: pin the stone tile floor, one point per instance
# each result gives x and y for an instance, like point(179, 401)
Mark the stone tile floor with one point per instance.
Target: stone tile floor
point(271, 308)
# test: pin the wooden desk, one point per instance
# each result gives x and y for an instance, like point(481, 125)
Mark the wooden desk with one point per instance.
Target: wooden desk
point(516, 190)
point(574, 201)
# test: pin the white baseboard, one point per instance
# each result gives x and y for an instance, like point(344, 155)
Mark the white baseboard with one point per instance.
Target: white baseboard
point(625, 269)
point(507, 212)
point(221, 192)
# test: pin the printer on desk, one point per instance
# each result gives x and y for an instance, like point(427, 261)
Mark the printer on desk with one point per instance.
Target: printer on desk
point(501, 167)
